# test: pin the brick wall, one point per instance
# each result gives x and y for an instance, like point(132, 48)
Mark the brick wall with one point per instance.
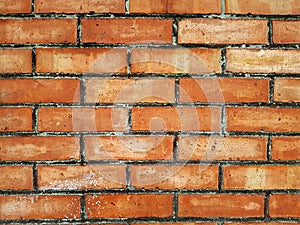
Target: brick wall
point(150, 112)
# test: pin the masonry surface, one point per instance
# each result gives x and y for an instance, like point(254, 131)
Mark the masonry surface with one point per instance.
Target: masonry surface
point(175, 112)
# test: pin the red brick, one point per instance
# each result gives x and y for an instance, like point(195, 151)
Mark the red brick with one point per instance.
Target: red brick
point(174, 177)
point(83, 119)
point(257, 223)
point(263, 119)
point(287, 7)
point(181, 60)
point(222, 148)
point(129, 148)
point(219, 31)
point(15, 61)
point(286, 148)
point(15, 6)
point(176, 6)
point(80, 6)
point(220, 205)
point(79, 60)
point(39, 90)
point(129, 205)
point(261, 177)
point(262, 61)
point(223, 90)
point(39, 207)
point(284, 205)
point(194, 6)
point(175, 119)
point(81, 177)
point(125, 31)
point(15, 119)
point(287, 90)
point(39, 148)
point(286, 32)
point(16, 177)
point(35, 31)
point(114, 90)
point(173, 223)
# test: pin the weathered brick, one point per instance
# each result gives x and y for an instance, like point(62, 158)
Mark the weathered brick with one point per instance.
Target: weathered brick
point(15, 61)
point(223, 90)
point(222, 148)
point(287, 7)
point(284, 205)
point(16, 178)
point(262, 61)
point(261, 177)
point(129, 147)
point(174, 177)
point(176, 119)
point(39, 207)
point(114, 90)
point(137, 30)
point(36, 31)
point(80, 6)
point(181, 60)
point(15, 6)
point(220, 205)
point(287, 90)
point(219, 31)
point(263, 119)
point(15, 119)
point(81, 60)
point(39, 90)
point(286, 148)
point(39, 148)
point(286, 32)
point(83, 119)
point(129, 205)
point(81, 177)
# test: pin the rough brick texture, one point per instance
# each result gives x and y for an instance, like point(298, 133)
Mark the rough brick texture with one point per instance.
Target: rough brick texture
point(148, 112)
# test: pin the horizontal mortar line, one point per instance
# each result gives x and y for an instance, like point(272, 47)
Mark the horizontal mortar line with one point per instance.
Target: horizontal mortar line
point(153, 16)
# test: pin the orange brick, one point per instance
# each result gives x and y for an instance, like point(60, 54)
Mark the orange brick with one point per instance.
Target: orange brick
point(15, 177)
point(223, 90)
point(83, 119)
point(194, 6)
point(80, 6)
point(150, 6)
point(287, 90)
point(173, 223)
point(222, 148)
point(287, 7)
point(181, 60)
point(39, 90)
point(35, 31)
point(15, 119)
point(15, 6)
point(286, 32)
point(262, 61)
point(81, 177)
point(138, 30)
point(174, 177)
point(263, 119)
point(257, 223)
point(220, 31)
point(129, 205)
point(15, 61)
point(39, 148)
point(114, 90)
point(286, 148)
point(39, 207)
point(79, 60)
point(220, 205)
point(129, 148)
point(284, 205)
point(175, 119)
point(261, 177)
